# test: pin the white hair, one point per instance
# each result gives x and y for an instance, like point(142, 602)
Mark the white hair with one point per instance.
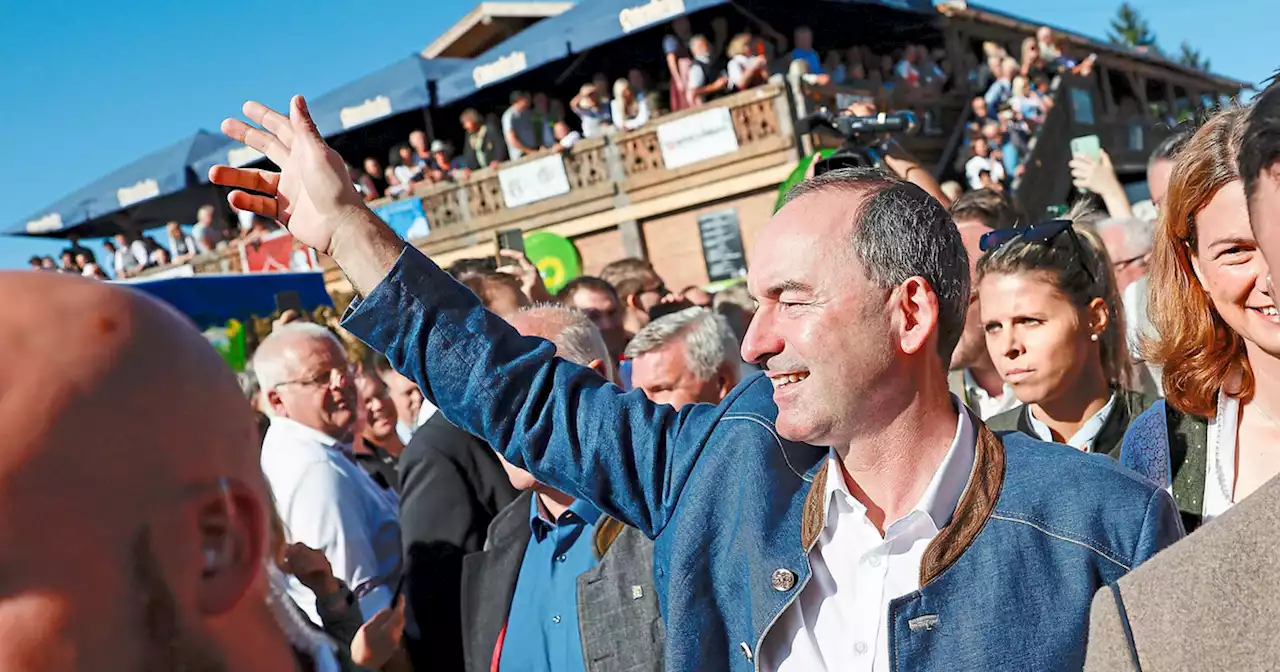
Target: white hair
point(709, 343)
point(272, 361)
point(576, 338)
point(1139, 235)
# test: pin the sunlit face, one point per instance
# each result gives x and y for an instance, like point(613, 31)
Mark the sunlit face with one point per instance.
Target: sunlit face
point(321, 391)
point(1233, 271)
point(823, 331)
point(371, 166)
point(973, 343)
point(418, 141)
point(663, 375)
point(604, 312)
point(1158, 180)
point(1038, 339)
point(406, 398)
point(379, 412)
point(1264, 212)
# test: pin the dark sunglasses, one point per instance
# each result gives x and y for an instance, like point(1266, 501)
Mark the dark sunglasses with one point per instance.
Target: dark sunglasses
point(1043, 233)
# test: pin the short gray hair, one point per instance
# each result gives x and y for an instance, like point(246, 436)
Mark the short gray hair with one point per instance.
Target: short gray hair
point(1139, 235)
point(574, 334)
point(271, 361)
point(902, 232)
point(709, 343)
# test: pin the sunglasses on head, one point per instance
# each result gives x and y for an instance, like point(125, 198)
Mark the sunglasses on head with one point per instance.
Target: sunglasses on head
point(1043, 233)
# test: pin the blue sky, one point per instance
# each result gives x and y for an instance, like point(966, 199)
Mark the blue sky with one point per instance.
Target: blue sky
point(90, 86)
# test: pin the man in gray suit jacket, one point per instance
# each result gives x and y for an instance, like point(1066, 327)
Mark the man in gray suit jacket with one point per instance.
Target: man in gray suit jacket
point(1209, 602)
point(560, 586)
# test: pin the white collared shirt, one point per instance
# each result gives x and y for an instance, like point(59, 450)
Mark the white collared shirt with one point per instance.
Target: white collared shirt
point(1083, 438)
point(988, 406)
point(840, 620)
point(329, 503)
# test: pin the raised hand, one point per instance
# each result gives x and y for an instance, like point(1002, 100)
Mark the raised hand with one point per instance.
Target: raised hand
point(312, 195)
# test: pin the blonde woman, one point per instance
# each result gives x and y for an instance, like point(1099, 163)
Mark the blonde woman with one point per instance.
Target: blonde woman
point(745, 70)
point(629, 112)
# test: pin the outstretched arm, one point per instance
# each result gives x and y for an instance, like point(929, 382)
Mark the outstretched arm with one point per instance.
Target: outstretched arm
point(570, 428)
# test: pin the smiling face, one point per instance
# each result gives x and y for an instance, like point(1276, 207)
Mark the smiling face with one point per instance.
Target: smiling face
point(1233, 272)
point(664, 376)
point(320, 392)
point(823, 330)
point(1038, 339)
point(379, 411)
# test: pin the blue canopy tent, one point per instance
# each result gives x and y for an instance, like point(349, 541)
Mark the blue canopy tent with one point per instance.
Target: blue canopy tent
point(211, 300)
point(544, 42)
point(602, 21)
point(403, 86)
point(149, 192)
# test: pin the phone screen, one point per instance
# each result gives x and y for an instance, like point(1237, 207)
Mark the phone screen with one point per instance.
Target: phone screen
point(509, 239)
point(288, 301)
point(1086, 145)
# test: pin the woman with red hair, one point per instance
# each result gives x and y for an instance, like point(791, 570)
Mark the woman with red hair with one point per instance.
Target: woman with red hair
point(1212, 442)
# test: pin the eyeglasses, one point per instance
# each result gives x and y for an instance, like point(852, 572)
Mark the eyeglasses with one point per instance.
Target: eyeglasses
point(1043, 233)
point(333, 378)
point(1119, 266)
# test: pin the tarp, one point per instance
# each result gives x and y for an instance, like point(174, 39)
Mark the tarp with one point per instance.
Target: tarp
point(544, 42)
point(211, 300)
point(146, 193)
point(602, 21)
point(401, 87)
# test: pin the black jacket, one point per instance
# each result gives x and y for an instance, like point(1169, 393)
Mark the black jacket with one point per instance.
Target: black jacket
point(1129, 405)
point(491, 143)
point(451, 487)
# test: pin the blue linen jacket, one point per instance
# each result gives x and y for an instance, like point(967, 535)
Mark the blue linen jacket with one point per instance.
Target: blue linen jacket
point(734, 509)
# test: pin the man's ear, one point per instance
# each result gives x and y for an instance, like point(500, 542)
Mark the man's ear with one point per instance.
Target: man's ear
point(916, 306)
point(274, 402)
point(232, 524)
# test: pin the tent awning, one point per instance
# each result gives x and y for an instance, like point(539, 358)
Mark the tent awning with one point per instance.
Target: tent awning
point(143, 194)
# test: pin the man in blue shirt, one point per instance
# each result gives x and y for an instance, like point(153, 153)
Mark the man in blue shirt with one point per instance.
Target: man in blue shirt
point(544, 586)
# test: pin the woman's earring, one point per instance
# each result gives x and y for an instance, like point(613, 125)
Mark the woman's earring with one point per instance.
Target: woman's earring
point(1093, 337)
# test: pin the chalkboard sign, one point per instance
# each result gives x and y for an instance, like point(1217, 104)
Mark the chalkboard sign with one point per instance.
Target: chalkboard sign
point(722, 245)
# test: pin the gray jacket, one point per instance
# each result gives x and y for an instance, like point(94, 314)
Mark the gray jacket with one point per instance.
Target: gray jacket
point(618, 616)
point(1205, 603)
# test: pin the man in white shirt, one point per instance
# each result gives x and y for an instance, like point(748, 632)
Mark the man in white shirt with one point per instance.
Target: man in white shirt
point(324, 498)
point(983, 160)
point(973, 376)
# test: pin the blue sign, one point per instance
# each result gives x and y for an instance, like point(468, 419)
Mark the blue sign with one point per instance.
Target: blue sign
point(406, 217)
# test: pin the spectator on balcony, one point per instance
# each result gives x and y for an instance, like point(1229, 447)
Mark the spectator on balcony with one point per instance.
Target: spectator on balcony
point(94, 272)
point(35, 263)
point(676, 50)
point(907, 71)
point(834, 66)
point(1002, 89)
point(442, 165)
point(159, 256)
point(1033, 62)
point(407, 171)
point(182, 246)
point(418, 142)
point(1025, 102)
point(131, 255)
point(518, 127)
point(640, 86)
point(992, 56)
point(68, 264)
point(48, 264)
point(365, 181)
point(75, 248)
point(205, 231)
point(745, 70)
point(705, 80)
point(566, 137)
point(1003, 146)
point(804, 51)
point(629, 112)
point(981, 111)
point(543, 121)
point(983, 158)
point(593, 115)
point(83, 260)
point(485, 146)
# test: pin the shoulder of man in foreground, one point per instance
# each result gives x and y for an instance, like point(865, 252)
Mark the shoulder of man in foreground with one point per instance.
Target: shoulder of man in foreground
point(1086, 499)
point(1205, 603)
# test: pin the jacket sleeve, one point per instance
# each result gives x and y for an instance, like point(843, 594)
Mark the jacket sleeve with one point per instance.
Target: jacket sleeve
point(1161, 527)
point(1145, 448)
point(563, 423)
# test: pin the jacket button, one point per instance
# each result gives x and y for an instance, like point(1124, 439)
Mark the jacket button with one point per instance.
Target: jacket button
point(783, 580)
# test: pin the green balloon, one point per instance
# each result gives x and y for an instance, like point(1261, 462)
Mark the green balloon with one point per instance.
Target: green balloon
point(555, 256)
point(797, 176)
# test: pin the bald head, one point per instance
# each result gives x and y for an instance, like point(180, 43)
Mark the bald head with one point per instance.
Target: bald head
point(576, 338)
point(129, 453)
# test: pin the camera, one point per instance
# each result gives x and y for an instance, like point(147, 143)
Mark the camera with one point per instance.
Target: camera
point(866, 139)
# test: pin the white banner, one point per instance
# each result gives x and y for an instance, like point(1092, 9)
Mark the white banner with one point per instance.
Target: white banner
point(697, 137)
point(635, 18)
point(533, 181)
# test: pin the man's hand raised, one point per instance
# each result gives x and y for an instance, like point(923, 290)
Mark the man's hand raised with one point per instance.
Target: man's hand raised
point(312, 194)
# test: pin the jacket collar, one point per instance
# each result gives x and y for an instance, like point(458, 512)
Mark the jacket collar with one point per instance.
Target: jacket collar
point(975, 507)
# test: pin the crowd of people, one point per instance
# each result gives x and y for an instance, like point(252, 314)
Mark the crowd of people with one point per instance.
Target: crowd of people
point(962, 416)
point(1013, 98)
